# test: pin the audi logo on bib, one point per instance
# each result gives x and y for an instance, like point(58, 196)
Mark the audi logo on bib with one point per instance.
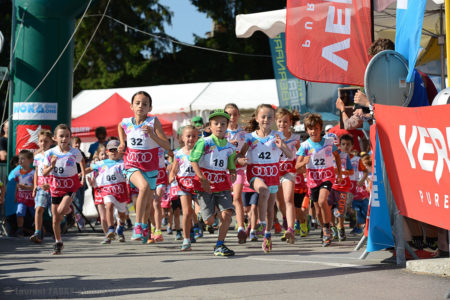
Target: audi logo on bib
point(263, 171)
point(113, 189)
point(24, 195)
point(187, 183)
point(318, 175)
point(286, 166)
point(139, 157)
point(63, 183)
point(214, 177)
point(161, 173)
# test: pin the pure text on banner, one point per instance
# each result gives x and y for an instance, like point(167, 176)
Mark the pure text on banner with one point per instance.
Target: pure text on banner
point(416, 147)
point(327, 41)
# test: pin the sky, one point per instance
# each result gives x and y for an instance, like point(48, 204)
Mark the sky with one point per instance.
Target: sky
point(186, 21)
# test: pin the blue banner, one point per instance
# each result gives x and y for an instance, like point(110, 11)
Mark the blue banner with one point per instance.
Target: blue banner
point(408, 32)
point(380, 231)
point(291, 90)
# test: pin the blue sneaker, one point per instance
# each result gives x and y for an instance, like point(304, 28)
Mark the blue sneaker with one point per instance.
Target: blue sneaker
point(169, 230)
point(253, 237)
point(111, 234)
point(178, 236)
point(120, 230)
point(197, 233)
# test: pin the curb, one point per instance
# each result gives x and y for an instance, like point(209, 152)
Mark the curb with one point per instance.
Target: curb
point(437, 266)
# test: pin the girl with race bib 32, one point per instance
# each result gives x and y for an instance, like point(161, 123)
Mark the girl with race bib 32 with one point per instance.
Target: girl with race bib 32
point(263, 148)
point(142, 136)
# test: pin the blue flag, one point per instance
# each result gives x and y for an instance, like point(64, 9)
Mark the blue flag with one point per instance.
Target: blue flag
point(409, 30)
point(380, 231)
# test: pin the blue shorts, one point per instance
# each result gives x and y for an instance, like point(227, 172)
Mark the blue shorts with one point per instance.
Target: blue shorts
point(43, 198)
point(183, 193)
point(360, 207)
point(22, 210)
point(149, 176)
point(273, 189)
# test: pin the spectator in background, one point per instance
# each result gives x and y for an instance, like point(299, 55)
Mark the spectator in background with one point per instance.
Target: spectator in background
point(197, 121)
point(357, 135)
point(4, 142)
point(100, 134)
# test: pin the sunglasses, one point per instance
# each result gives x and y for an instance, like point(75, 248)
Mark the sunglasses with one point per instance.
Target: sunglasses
point(112, 150)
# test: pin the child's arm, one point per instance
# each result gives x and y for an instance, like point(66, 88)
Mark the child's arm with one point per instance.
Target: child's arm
point(122, 138)
point(49, 168)
point(302, 161)
point(283, 147)
point(240, 157)
point(174, 171)
point(158, 135)
point(363, 179)
point(83, 172)
point(35, 184)
point(231, 166)
point(337, 158)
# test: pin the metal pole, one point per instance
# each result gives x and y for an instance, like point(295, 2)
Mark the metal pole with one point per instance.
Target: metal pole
point(441, 43)
point(360, 243)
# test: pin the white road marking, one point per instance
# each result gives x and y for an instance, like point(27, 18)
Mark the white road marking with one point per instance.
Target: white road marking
point(328, 264)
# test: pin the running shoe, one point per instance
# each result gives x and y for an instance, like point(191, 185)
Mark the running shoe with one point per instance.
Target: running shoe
point(178, 235)
point(164, 222)
point(267, 244)
point(283, 237)
point(290, 236)
point(353, 231)
point(277, 227)
point(285, 224)
point(157, 236)
point(210, 229)
point(334, 232)
point(36, 237)
point(309, 223)
point(145, 235)
point(341, 235)
point(242, 236)
point(223, 250)
point(304, 229)
point(253, 237)
point(151, 240)
point(186, 246)
point(106, 241)
point(248, 229)
point(120, 230)
point(297, 228)
point(192, 236)
point(111, 234)
point(431, 245)
point(327, 237)
point(260, 230)
point(197, 232)
point(57, 248)
point(169, 230)
point(80, 221)
point(137, 233)
point(129, 224)
point(121, 238)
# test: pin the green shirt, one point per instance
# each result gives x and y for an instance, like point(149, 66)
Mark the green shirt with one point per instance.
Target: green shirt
point(199, 149)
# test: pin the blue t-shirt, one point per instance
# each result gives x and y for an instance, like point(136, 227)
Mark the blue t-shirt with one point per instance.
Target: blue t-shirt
point(420, 96)
point(10, 204)
point(315, 145)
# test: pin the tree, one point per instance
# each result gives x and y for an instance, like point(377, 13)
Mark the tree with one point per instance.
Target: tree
point(115, 56)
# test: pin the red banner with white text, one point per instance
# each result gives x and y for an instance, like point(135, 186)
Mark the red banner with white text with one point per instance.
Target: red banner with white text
point(416, 148)
point(327, 41)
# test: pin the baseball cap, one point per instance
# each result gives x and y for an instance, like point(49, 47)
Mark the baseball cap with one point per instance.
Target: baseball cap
point(219, 113)
point(112, 144)
point(328, 127)
point(197, 119)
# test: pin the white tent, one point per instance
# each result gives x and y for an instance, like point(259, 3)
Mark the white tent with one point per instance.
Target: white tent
point(179, 102)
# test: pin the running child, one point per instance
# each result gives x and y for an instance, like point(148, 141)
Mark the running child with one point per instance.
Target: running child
point(337, 199)
point(175, 209)
point(284, 120)
point(211, 157)
point(235, 134)
point(264, 148)
point(24, 178)
point(112, 186)
point(183, 172)
point(301, 203)
point(250, 203)
point(41, 191)
point(142, 136)
point(316, 153)
point(60, 165)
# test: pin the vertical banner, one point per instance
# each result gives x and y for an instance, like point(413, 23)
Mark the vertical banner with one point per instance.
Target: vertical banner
point(291, 91)
point(380, 231)
point(327, 41)
point(408, 31)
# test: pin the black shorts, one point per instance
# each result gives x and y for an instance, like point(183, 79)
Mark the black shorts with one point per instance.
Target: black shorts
point(298, 200)
point(315, 191)
point(57, 200)
point(249, 198)
point(176, 204)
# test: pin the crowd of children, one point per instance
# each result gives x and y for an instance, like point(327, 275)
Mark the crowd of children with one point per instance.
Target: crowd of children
point(253, 173)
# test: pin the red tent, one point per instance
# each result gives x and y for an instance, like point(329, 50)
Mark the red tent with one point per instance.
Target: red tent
point(108, 114)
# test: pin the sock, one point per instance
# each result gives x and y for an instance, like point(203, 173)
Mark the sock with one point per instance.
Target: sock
point(59, 241)
point(241, 229)
point(267, 234)
point(219, 243)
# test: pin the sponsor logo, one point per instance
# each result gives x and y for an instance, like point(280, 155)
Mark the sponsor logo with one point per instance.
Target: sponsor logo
point(161, 174)
point(113, 189)
point(286, 166)
point(214, 177)
point(320, 175)
point(62, 183)
point(35, 111)
point(265, 171)
point(27, 137)
point(139, 157)
point(25, 195)
point(186, 183)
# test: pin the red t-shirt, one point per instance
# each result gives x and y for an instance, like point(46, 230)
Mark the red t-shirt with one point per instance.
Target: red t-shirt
point(356, 133)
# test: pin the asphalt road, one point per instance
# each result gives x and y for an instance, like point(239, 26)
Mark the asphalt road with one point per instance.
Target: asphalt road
point(131, 270)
